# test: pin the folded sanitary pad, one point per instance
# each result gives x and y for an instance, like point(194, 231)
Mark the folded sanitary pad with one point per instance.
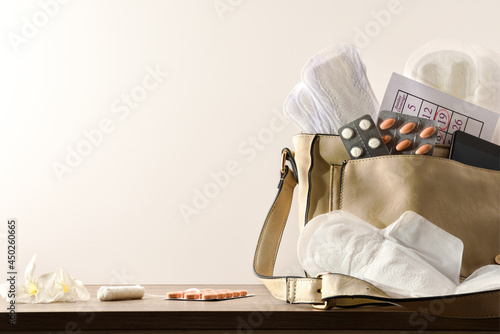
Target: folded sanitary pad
point(410, 258)
point(333, 92)
point(466, 71)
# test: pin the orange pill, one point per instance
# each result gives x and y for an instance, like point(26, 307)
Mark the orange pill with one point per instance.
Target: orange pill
point(243, 292)
point(387, 124)
point(220, 294)
point(209, 295)
point(423, 149)
point(223, 290)
point(192, 295)
point(407, 128)
point(174, 295)
point(206, 290)
point(427, 132)
point(236, 294)
point(403, 145)
point(229, 294)
point(386, 139)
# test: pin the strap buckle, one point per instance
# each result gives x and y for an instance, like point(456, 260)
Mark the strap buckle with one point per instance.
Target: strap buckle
point(328, 303)
point(283, 161)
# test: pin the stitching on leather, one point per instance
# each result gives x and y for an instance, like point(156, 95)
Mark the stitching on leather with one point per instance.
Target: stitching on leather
point(288, 291)
point(307, 281)
point(424, 157)
point(294, 290)
point(283, 222)
point(271, 212)
point(332, 177)
point(341, 195)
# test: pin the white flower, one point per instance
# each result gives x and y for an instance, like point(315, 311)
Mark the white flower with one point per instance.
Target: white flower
point(47, 288)
point(70, 289)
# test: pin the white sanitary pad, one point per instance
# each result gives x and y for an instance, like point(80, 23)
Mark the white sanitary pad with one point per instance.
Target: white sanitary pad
point(300, 108)
point(466, 71)
point(334, 91)
point(410, 258)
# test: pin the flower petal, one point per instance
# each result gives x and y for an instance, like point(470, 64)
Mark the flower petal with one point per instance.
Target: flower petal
point(29, 272)
point(81, 290)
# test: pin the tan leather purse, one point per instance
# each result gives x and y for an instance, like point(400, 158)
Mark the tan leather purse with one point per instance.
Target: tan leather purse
point(462, 200)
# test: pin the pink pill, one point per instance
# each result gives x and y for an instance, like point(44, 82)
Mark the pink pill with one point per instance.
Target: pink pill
point(423, 149)
point(403, 145)
point(174, 295)
point(407, 128)
point(387, 124)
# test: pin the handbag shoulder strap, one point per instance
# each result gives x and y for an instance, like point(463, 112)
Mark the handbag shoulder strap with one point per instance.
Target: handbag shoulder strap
point(330, 290)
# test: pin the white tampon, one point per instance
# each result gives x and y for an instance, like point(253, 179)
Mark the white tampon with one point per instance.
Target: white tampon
point(106, 293)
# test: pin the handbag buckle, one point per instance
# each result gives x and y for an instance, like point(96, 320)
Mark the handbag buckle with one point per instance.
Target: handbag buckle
point(327, 304)
point(283, 161)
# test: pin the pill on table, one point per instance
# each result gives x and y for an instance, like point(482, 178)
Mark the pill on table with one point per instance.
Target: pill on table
point(403, 145)
point(236, 294)
point(374, 142)
point(365, 124)
point(386, 139)
point(347, 133)
point(229, 294)
point(387, 124)
point(220, 294)
point(209, 295)
point(427, 132)
point(243, 292)
point(423, 149)
point(174, 295)
point(192, 295)
point(407, 128)
point(356, 151)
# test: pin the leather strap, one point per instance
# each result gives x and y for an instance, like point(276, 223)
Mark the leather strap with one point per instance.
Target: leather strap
point(343, 290)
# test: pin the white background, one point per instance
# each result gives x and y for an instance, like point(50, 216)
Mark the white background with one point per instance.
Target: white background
point(115, 218)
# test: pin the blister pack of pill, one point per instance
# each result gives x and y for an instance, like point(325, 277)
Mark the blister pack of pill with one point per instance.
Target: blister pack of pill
point(362, 139)
point(405, 134)
point(207, 294)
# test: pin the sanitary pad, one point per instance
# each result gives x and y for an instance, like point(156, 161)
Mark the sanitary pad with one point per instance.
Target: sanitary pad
point(334, 91)
point(469, 72)
point(410, 258)
point(300, 108)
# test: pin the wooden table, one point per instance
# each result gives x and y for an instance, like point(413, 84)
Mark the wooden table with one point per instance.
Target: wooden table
point(259, 314)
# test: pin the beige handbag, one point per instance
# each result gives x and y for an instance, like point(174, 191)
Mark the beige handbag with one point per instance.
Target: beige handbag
point(461, 199)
